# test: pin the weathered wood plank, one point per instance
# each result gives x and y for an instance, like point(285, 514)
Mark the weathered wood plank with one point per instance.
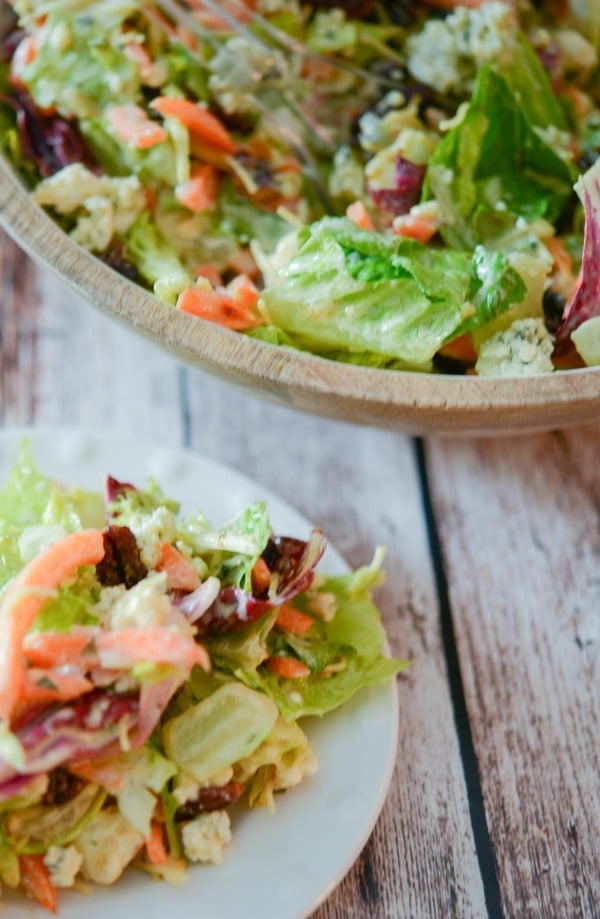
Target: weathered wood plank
point(362, 487)
point(520, 527)
point(63, 362)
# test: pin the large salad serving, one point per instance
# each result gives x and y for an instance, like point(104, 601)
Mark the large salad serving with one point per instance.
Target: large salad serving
point(154, 671)
point(399, 185)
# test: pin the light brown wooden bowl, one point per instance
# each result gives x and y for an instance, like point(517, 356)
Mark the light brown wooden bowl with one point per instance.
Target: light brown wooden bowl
point(414, 403)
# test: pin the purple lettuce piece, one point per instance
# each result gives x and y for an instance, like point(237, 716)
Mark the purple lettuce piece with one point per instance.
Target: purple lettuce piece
point(72, 732)
point(408, 182)
point(18, 785)
point(292, 563)
point(114, 489)
point(585, 304)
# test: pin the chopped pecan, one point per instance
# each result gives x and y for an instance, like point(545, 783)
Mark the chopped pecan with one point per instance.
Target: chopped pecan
point(122, 562)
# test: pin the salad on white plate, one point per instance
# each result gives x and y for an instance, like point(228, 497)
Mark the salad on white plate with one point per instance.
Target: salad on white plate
point(403, 193)
point(154, 673)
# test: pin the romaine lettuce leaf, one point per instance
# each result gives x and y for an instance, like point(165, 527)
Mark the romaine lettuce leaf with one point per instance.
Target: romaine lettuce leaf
point(494, 163)
point(365, 293)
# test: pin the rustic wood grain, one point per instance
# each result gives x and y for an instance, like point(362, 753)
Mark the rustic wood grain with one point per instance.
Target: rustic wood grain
point(520, 528)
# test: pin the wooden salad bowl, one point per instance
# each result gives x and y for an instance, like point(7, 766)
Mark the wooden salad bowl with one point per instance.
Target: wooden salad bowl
point(410, 402)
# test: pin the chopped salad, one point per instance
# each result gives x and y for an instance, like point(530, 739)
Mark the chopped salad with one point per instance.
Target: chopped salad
point(403, 185)
point(154, 671)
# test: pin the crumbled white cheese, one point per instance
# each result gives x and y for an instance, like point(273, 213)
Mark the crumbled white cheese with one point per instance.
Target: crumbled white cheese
point(101, 206)
point(205, 838)
point(150, 531)
point(522, 349)
point(107, 845)
point(63, 863)
point(447, 53)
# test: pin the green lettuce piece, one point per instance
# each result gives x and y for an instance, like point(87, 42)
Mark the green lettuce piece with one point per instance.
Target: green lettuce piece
point(492, 164)
point(31, 505)
point(282, 760)
point(366, 293)
point(154, 165)
point(350, 645)
point(72, 606)
point(245, 648)
point(77, 68)
point(152, 254)
point(530, 83)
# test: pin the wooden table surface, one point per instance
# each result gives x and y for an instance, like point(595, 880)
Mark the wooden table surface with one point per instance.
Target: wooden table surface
point(492, 590)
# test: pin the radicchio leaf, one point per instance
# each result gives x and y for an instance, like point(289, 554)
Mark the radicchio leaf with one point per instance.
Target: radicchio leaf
point(49, 140)
point(67, 733)
point(408, 181)
point(292, 563)
point(585, 304)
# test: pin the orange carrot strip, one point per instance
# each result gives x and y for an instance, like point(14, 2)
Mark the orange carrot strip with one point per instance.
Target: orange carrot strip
point(40, 687)
point(181, 574)
point(243, 291)
point(561, 255)
point(54, 649)
point(100, 772)
point(260, 576)
point(419, 228)
point(197, 120)
point(293, 620)
point(131, 124)
point(24, 54)
point(126, 647)
point(20, 606)
point(156, 849)
point(200, 192)
point(359, 215)
point(460, 349)
point(288, 667)
point(36, 882)
point(218, 307)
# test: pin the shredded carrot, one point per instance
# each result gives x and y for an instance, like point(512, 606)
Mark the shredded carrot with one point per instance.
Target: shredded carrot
point(37, 883)
point(197, 120)
point(290, 668)
point(131, 124)
point(156, 849)
point(126, 647)
point(358, 214)
point(243, 291)
point(136, 52)
point(260, 577)
point(561, 255)
point(293, 620)
point(460, 349)
point(22, 602)
point(40, 687)
point(55, 649)
point(218, 307)
point(100, 772)
point(181, 574)
point(415, 227)
point(200, 192)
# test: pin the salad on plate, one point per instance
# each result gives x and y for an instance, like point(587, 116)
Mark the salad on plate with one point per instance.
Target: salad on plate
point(404, 185)
point(154, 674)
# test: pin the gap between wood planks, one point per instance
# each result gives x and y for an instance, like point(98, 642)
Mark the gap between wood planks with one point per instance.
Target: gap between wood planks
point(483, 842)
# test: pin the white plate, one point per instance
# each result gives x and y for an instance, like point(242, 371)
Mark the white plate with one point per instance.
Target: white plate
point(278, 866)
